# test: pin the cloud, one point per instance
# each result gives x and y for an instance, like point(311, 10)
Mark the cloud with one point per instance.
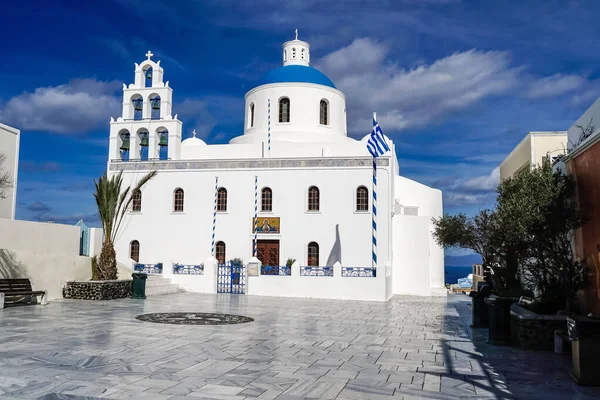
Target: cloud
point(73, 108)
point(478, 190)
point(38, 206)
point(34, 166)
point(483, 183)
point(408, 98)
point(555, 85)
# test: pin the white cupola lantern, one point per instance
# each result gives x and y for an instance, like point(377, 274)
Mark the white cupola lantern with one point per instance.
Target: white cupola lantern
point(296, 52)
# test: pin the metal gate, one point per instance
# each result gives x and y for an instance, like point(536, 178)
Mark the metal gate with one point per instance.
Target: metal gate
point(231, 278)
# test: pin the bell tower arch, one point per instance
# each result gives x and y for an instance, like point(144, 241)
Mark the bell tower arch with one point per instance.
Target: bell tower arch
point(147, 107)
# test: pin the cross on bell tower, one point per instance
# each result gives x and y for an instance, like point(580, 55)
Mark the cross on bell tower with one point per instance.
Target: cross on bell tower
point(149, 54)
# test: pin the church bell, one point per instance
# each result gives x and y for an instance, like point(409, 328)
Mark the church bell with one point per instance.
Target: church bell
point(138, 105)
point(125, 145)
point(149, 74)
point(144, 141)
point(163, 140)
point(155, 104)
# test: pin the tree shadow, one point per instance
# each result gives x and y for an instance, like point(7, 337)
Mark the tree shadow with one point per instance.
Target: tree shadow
point(10, 267)
point(502, 372)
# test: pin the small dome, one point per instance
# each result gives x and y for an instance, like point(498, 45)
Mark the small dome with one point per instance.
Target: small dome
point(296, 73)
point(193, 141)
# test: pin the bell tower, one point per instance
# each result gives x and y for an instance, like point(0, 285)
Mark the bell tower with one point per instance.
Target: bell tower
point(146, 129)
point(296, 52)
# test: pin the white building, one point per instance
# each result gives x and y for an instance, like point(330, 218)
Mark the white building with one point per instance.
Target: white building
point(9, 148)
point(314, 192)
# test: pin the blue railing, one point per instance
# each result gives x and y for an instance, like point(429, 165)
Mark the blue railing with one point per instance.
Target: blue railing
point(185, 269)
point(149, 268)
point(364, 272)
point(316, 271)
point(276, 270)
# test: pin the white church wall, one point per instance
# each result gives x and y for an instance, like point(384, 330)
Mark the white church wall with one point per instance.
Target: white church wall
point(320, 287)
point(46, 270)
point(96, 237)
point(185, 237)
point(411, 270)
point(9, 146)
point(39, 237)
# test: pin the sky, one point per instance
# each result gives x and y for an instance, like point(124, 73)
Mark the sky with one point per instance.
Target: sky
point(456, 84)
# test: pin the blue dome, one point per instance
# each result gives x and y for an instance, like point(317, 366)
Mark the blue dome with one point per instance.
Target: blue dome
point(296, 73)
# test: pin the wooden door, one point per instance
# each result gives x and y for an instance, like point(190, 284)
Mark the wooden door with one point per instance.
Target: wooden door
point(267, 251)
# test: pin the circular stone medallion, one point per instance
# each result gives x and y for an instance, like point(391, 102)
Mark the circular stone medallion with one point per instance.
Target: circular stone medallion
point(189, 318)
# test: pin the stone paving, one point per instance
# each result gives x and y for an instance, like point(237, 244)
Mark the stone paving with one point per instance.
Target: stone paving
point(407, 348)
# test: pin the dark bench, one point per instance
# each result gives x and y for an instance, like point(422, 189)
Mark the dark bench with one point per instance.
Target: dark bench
point(18, 290)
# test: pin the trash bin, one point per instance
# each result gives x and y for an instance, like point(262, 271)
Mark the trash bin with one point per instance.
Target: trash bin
point(479, 309)
point(138, 290)
point(499, 318)
point(584, 334)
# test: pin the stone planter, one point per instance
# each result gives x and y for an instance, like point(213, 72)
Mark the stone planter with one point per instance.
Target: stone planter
point(533, 331)
point(97, 290)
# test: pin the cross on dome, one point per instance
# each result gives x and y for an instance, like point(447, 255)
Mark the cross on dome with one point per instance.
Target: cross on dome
point(149, 54)
point(194, 132)
point(296, 33)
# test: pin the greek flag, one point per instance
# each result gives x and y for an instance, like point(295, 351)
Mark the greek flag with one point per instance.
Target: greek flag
point(376, 143)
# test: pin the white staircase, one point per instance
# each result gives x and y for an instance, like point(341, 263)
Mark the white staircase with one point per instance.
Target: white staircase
point(157, 285)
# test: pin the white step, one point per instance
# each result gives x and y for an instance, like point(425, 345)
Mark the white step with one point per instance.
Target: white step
point(157, 285)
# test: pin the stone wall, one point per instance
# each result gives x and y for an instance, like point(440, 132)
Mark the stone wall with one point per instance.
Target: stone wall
point(533, 331)
point(98, 290)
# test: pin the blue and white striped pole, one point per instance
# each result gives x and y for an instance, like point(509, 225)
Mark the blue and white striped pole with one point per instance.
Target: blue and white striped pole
point(374, 207)
point(212, 249)
point(377, 146)
point(255, 213)
point(269, 123)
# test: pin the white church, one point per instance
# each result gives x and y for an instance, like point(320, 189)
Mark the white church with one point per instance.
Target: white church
point(296, 170)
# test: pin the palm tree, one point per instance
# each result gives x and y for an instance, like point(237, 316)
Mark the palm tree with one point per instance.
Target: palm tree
point(112, 205)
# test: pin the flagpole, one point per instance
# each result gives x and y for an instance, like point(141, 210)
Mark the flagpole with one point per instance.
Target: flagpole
point(212, 246)
point(374, 209)
point(255, 215)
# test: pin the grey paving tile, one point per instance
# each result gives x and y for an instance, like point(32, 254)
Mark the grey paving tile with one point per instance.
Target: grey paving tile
point(406, 348)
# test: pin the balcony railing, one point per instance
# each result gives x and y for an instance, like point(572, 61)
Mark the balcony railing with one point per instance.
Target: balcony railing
point(364, 272)
point(185, 269)
point(276, 270)
point(316, 271)
point(148, 268)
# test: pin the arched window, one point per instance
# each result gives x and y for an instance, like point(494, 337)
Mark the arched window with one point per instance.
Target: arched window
point(324, 114)
point(222, 199)
point(148, 77)
point(134, 250)
point(302, 54)
point(293, 53)
point(313, 198)
point(220, 252)
point(155, 106)
point(163, 143)
point(284, 110)
point(362, 199)
point(178, 200)
point(136, 200)
point(266, 199)
point(144, 141)
point(137, 104)
point(125, 144)
point(284, 55)
point(313, 254)
point(252, 115)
